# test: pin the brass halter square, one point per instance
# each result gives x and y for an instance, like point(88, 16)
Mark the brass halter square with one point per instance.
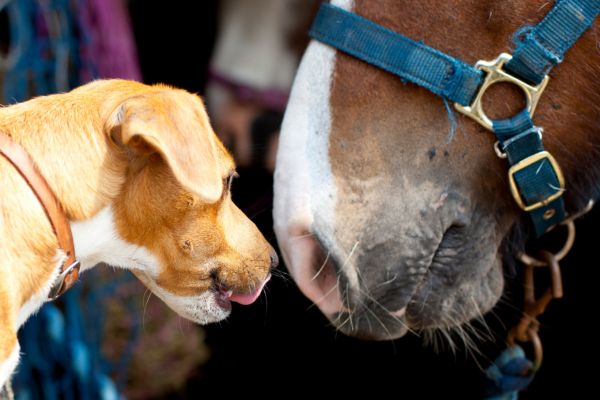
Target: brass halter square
point(494, 74)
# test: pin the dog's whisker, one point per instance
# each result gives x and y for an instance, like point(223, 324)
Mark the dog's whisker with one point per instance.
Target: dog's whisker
point(179, 325)
point(146, 301)
point(266, 297)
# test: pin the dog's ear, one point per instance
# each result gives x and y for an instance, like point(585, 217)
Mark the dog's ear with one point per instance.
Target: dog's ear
point(180, 133)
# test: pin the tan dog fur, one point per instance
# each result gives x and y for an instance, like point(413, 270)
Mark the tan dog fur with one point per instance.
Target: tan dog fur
point(147, 156)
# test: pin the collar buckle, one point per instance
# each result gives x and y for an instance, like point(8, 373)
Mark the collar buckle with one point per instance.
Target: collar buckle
point(62, 282)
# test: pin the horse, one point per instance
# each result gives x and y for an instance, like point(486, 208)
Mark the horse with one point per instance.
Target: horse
point(393, 212)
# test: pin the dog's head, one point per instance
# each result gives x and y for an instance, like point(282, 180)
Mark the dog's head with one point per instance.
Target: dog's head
point(193, 247)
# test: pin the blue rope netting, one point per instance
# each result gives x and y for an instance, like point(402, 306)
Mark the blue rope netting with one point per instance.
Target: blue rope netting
point(44, 48)
point(61, 345)
point(58, 362)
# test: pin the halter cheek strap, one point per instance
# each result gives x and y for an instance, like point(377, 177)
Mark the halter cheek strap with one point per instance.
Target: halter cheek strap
point(18, 157)
point(535, 177)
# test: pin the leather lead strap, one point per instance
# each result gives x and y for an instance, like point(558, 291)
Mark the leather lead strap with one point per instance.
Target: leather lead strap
point(23, 163)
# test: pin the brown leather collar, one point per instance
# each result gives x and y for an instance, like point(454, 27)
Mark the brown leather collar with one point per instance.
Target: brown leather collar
point(18, 157)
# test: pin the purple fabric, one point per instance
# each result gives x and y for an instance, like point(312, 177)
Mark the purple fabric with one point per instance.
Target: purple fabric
point(107, 44)
point(269, 98)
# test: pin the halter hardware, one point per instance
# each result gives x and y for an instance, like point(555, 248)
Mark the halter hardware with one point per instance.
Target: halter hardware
point(495, 73)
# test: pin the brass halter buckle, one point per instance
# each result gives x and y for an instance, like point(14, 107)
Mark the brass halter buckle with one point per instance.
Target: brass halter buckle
point(542, 155)
point(494, 74)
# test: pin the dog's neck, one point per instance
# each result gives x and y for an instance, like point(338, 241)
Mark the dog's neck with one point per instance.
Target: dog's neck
point(96, 241)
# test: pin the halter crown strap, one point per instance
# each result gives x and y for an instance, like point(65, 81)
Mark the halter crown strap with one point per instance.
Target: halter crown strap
point(545, 45)
point(534, 175)
point(18, 157)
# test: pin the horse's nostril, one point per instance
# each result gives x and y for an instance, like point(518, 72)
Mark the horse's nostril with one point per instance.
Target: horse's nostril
point(454, 232)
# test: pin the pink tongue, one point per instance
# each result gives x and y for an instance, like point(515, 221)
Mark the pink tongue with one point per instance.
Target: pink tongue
point(245, 299)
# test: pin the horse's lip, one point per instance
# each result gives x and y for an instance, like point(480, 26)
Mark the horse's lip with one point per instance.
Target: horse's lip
point(444, 281)
point(396, 324)
point(395, 311)
point(408, 313)
point(422, 283)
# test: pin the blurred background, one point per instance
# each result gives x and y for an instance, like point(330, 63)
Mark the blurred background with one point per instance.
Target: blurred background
point(109, 338)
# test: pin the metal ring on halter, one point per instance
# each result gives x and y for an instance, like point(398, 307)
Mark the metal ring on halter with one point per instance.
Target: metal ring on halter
point(538, 349)
point(499, 153)
point(536, 342)
point(534, 262)
point(556, 288)
point(494, 73)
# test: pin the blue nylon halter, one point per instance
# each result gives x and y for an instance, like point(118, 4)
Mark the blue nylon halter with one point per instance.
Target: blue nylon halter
point(537, 179)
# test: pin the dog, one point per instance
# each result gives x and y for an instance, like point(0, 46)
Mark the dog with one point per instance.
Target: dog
point(144, 184)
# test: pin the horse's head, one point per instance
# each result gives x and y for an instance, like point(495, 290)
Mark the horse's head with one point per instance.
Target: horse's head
point(386, 220)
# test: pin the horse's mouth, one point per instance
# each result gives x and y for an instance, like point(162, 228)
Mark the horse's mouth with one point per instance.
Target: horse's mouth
point(448, 300)
point(454, 288)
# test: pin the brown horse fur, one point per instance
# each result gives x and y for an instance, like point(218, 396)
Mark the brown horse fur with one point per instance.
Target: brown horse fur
point(415, 241)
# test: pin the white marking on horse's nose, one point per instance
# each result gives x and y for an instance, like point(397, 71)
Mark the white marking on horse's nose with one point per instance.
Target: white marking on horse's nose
point(304, 188)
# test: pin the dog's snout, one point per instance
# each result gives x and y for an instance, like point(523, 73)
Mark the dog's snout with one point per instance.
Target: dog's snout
point(245, 276)
point(217, 283)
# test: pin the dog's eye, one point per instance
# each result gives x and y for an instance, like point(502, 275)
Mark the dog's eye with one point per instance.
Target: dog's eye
point(228, 180)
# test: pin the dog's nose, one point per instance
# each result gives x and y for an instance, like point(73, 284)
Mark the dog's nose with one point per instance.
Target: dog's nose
point(274, 259)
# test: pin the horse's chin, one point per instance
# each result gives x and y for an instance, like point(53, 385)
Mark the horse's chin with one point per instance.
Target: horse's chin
point(439, 301)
